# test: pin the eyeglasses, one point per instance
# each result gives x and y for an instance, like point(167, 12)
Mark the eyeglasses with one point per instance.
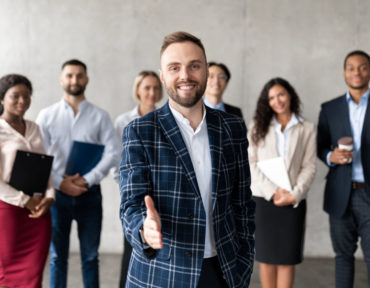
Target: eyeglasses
point(220, 77)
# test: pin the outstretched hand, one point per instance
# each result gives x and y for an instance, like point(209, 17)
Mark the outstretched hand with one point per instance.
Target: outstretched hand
point(152, 225)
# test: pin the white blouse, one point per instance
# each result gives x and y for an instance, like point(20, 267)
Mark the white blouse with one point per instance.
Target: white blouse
point(282, 137)
point(11, 141)
point(120, 123)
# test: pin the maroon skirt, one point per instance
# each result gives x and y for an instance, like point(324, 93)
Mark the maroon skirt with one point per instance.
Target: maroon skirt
point(24, 246)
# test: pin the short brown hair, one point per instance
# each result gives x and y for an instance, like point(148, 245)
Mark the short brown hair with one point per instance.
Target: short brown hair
point(139, 79)
point(179, 37)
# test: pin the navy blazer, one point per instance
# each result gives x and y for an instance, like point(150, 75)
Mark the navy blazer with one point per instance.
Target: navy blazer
point(334, 123)
point(233, 110)
point(155, 161)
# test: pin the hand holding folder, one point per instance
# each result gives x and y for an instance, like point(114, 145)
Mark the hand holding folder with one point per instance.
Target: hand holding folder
point(83, 157)
point(31, 172)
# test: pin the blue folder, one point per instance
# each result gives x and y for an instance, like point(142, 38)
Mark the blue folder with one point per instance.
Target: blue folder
point(83, 157)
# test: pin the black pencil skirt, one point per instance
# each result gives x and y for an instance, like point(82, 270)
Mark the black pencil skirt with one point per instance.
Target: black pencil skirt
point(279, 232)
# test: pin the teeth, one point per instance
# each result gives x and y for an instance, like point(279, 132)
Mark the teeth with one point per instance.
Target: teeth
point(186, 87)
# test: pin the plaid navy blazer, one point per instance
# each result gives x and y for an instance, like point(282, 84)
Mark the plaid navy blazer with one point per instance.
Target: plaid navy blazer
point(155, 161)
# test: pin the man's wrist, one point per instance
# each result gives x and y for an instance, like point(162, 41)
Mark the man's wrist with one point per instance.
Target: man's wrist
point(149, 252)
point(141, 233)
point(330, 164)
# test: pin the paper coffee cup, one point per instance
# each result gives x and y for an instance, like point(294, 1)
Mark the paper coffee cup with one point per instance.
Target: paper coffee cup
point(345, 147)
point(346, 143)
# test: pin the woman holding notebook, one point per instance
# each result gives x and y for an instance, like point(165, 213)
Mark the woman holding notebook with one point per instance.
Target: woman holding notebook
point(278, 130)
point(25, 229)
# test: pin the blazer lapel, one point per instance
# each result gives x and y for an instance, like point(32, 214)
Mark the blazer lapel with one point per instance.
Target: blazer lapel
point(364, 147)
point(294, 136)
point(344, 111)
point(270, 141)
point(366, 125)
point(214, 128)
point(174, 137)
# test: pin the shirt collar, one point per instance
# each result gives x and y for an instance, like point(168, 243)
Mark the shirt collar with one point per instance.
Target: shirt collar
point(182, 120)
point(219, 106)
point(364, 98)
point(135, 112)
point(294, 120)
point(82, 105)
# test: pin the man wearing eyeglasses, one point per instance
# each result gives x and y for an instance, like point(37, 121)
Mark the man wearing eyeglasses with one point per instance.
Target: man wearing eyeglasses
point(218, 77)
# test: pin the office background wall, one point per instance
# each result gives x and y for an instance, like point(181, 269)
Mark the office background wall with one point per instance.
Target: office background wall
point(302, 41)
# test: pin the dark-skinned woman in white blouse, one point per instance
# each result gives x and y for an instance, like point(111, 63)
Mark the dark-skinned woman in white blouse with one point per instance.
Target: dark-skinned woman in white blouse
point(25, 223)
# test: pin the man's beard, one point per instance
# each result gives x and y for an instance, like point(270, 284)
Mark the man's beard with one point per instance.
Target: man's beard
point(359, 87)
point(186, 102)
point(76, 92)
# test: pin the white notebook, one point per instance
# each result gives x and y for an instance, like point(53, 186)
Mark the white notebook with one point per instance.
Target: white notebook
point(275, 170)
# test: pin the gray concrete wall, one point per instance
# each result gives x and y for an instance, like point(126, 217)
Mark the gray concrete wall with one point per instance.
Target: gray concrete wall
point(303, 41)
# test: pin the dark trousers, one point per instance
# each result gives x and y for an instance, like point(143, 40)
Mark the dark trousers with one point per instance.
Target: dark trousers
point(87, 211)
point(345, 232)
point(211, 275)
point(127, 250)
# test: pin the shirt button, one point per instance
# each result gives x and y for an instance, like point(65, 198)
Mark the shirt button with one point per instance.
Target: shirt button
point(198, 162)
point(188, 254)
point(191, 216)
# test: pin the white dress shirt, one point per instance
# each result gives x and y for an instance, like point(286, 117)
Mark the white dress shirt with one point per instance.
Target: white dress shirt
point(120, 123)
point(197, 144)
point(125, 118)
point(11, 141)
point(282, 137)
point(59, 127)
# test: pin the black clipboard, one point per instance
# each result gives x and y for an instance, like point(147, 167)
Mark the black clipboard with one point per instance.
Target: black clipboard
point(31, 172)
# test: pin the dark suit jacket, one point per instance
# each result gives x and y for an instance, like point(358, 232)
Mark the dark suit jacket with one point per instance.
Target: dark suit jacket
point(233, 110)
point(155, 161)
point(333, 124)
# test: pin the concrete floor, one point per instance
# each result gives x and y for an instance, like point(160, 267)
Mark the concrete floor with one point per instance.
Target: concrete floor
point(313, 272)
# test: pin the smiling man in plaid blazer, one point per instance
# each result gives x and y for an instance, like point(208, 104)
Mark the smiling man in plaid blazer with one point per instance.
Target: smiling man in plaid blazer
point(185, 184)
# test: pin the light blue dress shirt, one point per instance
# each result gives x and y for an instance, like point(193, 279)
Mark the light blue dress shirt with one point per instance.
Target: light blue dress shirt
point(356, 119)
point(220, 105)
point(59, 127)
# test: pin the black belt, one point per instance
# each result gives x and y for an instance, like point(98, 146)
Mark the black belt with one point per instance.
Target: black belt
point(358, 185)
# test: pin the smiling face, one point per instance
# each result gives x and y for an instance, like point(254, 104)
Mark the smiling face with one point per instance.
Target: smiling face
point(184, 73)
point(217, 82)
point(149, 91)
point(16, 100)
point(74, 80)
point(357, 72)
point(279, 100)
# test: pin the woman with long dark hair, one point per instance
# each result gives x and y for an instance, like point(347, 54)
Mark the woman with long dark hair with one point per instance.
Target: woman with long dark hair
point(25, 223)
point(278, 130)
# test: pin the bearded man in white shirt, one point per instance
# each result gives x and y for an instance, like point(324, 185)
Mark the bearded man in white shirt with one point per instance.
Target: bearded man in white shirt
point(186, 205)
point(78, 197)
